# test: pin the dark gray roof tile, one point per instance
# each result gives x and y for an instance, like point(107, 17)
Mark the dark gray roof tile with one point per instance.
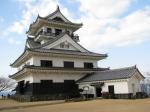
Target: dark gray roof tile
point(32, 43)
point(69, 52)
point(122, 73)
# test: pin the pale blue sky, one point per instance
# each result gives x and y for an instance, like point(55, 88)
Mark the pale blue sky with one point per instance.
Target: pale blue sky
point(120, 28)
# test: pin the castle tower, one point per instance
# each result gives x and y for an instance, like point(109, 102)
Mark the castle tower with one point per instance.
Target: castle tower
point(53, 60)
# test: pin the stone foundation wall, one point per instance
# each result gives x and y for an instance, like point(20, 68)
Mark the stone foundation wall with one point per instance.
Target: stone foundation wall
point(124, 96)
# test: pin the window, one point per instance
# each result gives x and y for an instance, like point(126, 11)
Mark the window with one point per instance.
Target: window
point(88, 65)
point(58, 31)
point(58, 19)
point(49, 30)
point(46, 63)
point(111, 89)
point(62, 45)
point(68, 64)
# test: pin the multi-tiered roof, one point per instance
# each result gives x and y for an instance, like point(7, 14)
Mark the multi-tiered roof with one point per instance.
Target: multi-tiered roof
point(55, 19)
point(44, 42)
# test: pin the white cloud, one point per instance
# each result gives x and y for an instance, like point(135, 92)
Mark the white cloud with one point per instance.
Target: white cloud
point(31, 9)
point(1, 20)
point(13, 41)
point(104, 8)
point(104, 28)
point(16, 27)
point(102, 25)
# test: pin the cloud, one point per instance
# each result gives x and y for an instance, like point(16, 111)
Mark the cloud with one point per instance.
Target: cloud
point(104, 8)
point(17, 27)
point(104, 28)
point(31, 8)
point(14, 41)
point(133, 29)
point(1, 20)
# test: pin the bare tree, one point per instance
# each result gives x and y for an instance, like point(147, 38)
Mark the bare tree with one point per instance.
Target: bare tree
point(6, 84)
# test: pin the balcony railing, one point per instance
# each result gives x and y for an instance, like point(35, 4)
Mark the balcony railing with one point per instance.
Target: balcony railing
point(45, 33)
point(75, 37)
point(52, 35)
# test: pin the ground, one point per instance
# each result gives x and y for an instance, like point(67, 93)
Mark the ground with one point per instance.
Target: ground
point(99, 105)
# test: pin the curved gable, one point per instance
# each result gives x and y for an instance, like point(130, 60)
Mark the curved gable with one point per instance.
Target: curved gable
point(66, 39)
point(57, 15)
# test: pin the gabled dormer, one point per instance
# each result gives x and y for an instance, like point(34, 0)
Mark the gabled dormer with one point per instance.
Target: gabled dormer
point(64, 42)
point(55, 23)
point(57, 16)
point(51, 27)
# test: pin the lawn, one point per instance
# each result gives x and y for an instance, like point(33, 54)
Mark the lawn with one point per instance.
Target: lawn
point(99, 105)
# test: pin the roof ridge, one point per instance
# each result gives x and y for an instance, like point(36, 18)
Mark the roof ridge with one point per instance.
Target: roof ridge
point(53, 13)
point(55, 39)
point(58, 37)
point(118, 69)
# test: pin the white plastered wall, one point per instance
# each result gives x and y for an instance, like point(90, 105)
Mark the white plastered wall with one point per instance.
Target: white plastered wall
point(56, 77)
point(58, 62)
point(91, 90)
point(28, 62)
point(27, 77)
point(119, 87)
point(136, 81)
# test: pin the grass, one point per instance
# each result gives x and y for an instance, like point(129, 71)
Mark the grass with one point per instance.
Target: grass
point(101, 105)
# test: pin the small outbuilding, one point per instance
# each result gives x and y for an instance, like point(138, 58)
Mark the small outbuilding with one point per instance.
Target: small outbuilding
point(123, 82)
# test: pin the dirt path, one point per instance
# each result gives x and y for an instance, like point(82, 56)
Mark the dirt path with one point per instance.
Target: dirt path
point(141, 105)
point(11, 104)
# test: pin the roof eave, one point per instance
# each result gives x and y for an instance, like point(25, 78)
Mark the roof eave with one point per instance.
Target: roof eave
point(76, 26)
point(15, 63)
point(44, 69)
point(64, 54)
point(80, 82)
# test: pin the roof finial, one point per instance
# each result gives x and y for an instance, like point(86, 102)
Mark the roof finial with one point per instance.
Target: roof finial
point(58, 8)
